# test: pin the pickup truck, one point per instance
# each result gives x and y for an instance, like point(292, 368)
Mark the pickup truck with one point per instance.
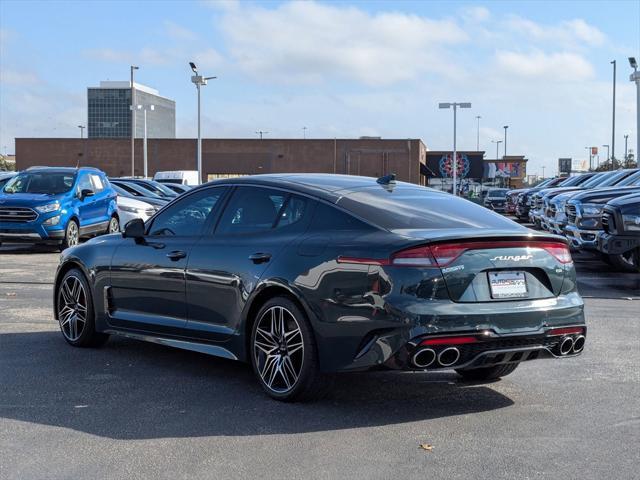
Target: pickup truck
point(619, 240)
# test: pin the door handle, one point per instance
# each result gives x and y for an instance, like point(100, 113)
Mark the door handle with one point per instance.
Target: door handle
point(176, 255)
point(260, 257)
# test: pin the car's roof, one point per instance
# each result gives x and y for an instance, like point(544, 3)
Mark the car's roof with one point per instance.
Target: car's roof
point(324, 185)
point(61, 169)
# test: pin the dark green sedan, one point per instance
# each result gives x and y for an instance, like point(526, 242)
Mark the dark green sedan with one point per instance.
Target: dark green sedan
point(303, 276)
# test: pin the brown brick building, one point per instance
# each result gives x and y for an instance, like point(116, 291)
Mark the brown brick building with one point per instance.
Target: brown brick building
point(222, 157)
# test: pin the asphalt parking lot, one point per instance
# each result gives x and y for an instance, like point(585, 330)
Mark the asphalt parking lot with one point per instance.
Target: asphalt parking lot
point(136, 410)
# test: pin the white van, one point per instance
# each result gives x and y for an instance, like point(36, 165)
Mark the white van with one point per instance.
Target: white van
point(183, 177)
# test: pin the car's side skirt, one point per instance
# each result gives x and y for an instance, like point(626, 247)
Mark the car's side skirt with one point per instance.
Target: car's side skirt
point(209, 349)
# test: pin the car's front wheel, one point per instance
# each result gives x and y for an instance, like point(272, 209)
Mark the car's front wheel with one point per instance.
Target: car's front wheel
point(71, 235)
point(284, 354)
point(488, 373)
point(75, 311)
point(114, 225)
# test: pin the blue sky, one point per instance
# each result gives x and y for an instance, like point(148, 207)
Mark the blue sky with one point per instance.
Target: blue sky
point(342, 69)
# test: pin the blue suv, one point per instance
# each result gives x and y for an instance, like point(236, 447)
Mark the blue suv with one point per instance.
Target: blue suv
point(57, 205)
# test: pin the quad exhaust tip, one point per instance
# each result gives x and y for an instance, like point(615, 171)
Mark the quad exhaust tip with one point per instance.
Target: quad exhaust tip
point(424, 357)
point(578, 344)
point(567, 345)
point(448, 356)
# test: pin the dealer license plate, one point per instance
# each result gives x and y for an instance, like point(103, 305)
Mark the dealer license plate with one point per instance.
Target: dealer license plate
point(507, 284)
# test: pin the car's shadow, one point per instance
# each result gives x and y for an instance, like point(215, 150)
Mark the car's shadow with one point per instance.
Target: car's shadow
point(134, 390)
point(27, 248)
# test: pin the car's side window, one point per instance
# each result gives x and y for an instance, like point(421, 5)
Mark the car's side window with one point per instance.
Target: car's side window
point(293, 211)
point(187, 216)
point(330, 218)
point(251, 210)
point(85, 183)
point(96, 181)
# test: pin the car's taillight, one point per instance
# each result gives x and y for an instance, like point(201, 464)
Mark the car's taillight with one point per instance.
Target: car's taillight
point(558, 250)
point(416, 257)
point(566, 331)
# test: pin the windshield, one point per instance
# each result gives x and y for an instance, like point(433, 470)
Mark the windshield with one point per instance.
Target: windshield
point(49, 183)
point(158, 188)
point(632, 179)
point(595, 180)
point(408, 207)
point(497, 193)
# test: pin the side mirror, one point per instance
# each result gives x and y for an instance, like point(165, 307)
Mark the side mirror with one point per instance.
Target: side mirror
point(86, 192)
point(134, 229)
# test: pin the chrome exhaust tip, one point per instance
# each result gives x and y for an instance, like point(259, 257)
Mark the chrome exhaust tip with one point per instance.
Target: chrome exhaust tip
point(578, 344)
point(423, 358)
point(448, 356)
point(566, 346)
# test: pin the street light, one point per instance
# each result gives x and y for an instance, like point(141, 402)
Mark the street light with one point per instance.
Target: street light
point(607, 147)
point(304, 133)
point(590, 158)
point(133, 121)
point(635, 77)
point(199, 81)
point(144, 145)
point(81, 127)
point(478, 117)
point(613, 117)
point(455, 105)
point(497, 142)
point(505, 139)
point(261, 132)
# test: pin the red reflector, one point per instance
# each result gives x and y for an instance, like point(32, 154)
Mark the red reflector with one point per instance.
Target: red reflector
point(566, 331)
point(449, 341)
point(363, 261)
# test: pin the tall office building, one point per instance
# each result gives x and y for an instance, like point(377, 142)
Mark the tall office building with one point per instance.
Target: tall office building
point(109, 112)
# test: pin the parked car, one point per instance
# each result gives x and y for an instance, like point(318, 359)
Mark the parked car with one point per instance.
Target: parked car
point(138, 193)
point(178, 187)
point(555, 217)
point(130, 208)
point(584, 212)
point(495, 199)
point(523, 201)
point(619, 239)
point(305, 275)
point(57, 206)
point(155, 187)
point(5, 177)
point(178, 177)
point(537, 203)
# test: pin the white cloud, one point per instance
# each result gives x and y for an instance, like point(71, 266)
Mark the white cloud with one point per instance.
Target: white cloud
point(309, 42)
point(476, 14)
point(14, 77)
point(178, 32)
point(562, 66)
point(567, 34)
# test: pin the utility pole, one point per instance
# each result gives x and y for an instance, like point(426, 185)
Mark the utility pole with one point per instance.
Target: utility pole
point(635, 77)
point(133, 122)
point(261, 132)
point(478, 117)
point(613, 117)
point(304, 133)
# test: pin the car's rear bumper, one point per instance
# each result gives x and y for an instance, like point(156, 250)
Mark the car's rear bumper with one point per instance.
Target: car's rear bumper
point(505, 328)
point(617, 244)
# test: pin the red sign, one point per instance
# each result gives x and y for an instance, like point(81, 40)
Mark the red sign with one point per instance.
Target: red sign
point(594, 150)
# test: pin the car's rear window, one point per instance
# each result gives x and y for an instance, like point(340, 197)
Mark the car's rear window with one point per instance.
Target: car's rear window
point(410, 207)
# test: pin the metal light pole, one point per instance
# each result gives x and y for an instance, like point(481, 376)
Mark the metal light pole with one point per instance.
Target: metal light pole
point(133, 122)
point(144, 145)
point(607, 147)
point(497, 142)
point(304, 133)
point(478, 117)
point(626, 157)
point(505, 139)
point(635, 77)
point(81, 127)
point(613, 117)
point(454, 160)
point(199, 81)
point(543, 167)
point(261, 132)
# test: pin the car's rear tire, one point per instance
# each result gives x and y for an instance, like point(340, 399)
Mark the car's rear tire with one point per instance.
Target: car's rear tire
point(487, 373)
point(284, 354)
point(75, 311)
point(71, 235)
point(626, 262)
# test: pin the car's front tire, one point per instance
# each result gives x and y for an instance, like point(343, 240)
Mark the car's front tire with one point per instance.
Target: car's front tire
point(488, 373)
point(283, 353)
point(75, 311)
point(71, 235)
point(114, 225)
